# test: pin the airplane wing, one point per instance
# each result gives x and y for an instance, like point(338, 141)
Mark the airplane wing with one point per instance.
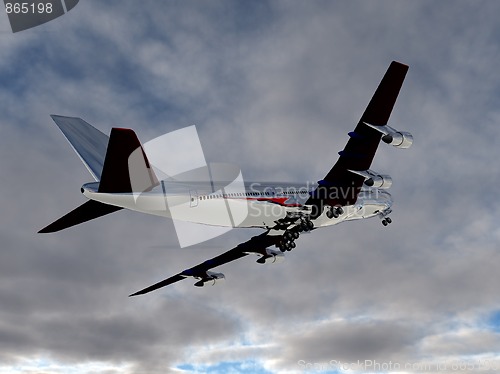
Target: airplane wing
point(340, 187)
point(258, 244)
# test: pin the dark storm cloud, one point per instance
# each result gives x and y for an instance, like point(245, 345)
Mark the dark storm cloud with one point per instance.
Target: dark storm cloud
point(274, 87)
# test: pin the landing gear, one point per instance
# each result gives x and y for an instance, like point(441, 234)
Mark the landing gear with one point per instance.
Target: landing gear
point(287, 245)
point(329, 213)
point(384, 216)
point(291, 235)
point(306, 224)
point(301, 224)
point(386, 221)
point(334, 212)
point(288, 241)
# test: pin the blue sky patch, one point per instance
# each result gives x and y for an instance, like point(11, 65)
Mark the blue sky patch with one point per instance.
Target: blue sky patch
point(249, 367)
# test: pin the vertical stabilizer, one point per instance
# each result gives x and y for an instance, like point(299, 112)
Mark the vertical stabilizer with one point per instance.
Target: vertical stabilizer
point(118, 175)
point(88, 142)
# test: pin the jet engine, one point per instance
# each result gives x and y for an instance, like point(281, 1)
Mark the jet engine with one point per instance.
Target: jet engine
point(398, 139)
point(271, 256)
point(379, 181)
point(374, 179)
point(211, 277)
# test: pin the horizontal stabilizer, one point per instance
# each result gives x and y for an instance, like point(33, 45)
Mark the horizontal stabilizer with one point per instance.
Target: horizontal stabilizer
point(85, 212)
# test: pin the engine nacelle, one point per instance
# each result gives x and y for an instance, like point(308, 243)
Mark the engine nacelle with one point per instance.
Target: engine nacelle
point(398, 139)
point(212, 277)
point(379, 181)
point(272, 256)
point(374, 179)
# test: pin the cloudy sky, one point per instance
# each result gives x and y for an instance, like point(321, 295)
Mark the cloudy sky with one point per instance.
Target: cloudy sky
point(273, 86)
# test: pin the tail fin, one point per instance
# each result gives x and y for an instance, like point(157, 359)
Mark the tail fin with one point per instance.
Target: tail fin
point(126, 167)
point(121, 167)
point(88, 142)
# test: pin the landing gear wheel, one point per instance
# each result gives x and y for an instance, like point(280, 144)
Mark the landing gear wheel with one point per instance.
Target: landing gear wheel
point(310, 225)
point(339, 210)
point(288, 245)
point(384, 222)
point(295, 234)
point(388, 219)
point(330, 213)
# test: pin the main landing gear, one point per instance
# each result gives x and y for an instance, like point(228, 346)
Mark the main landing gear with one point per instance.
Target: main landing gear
point(287, 243)
point(334, 212)
point(305, 224)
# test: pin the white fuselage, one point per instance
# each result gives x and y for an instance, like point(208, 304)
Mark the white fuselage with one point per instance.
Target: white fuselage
point(257, 205)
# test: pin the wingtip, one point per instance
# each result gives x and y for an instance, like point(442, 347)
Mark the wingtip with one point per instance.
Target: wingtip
point(46, 230)
point(400, 64)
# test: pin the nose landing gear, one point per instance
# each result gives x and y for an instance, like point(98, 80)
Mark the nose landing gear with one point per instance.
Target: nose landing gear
point(384, 217)
point(386, 221)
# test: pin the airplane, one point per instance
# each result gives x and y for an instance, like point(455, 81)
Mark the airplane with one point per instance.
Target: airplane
point(349, 191)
